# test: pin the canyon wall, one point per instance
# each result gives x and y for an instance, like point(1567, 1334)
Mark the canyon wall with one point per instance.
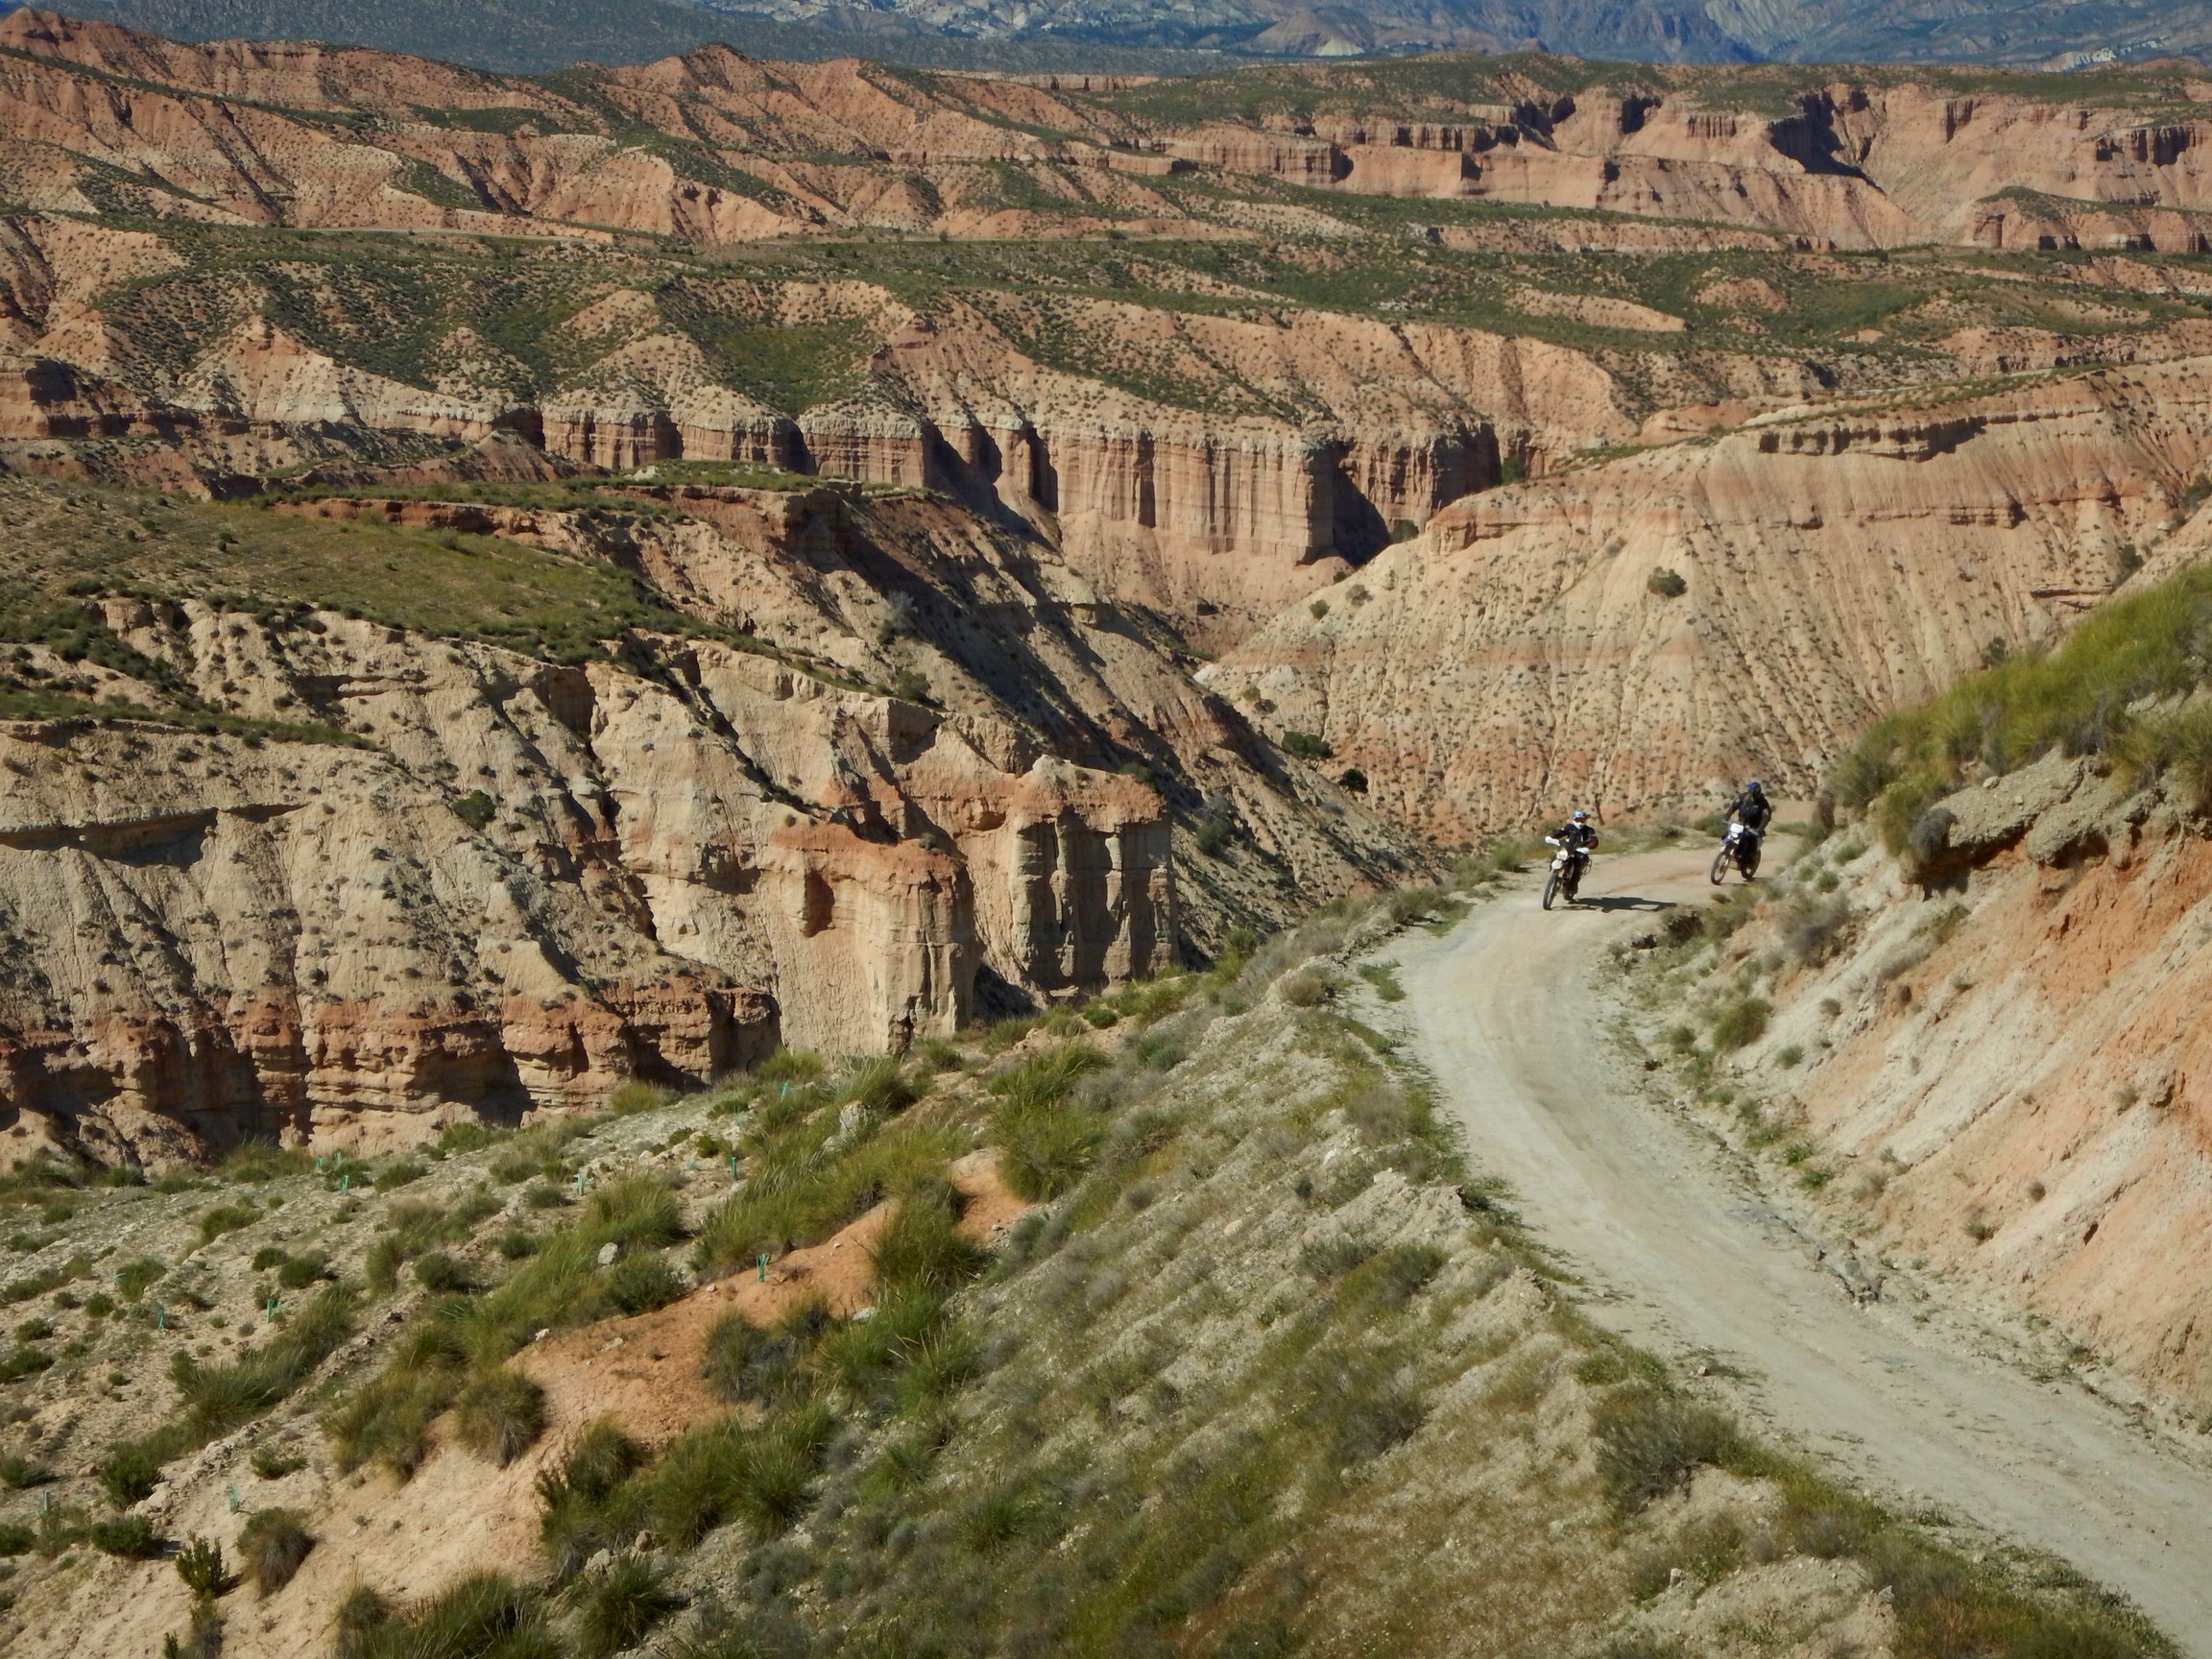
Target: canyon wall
point(1516, 661)
point(528, 880)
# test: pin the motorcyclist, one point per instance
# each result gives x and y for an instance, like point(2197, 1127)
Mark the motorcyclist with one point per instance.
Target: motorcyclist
point(1754, 813)
point(1751, 808)
point(1577, 835)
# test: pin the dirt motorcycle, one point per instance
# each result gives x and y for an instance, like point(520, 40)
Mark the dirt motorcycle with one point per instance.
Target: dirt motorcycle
point(1568, 865)
point(1740, 846)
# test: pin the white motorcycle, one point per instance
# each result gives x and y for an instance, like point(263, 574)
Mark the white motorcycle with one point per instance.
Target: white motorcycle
point(1740, 846)
point(1568, 865)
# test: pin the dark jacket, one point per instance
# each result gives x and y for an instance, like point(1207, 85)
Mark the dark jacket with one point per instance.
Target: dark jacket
point(1754, 811)
point(1581, 837)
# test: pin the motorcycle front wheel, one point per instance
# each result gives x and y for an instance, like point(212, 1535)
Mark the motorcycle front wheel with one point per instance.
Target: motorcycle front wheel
point(1551, 888)
point(1721, 866)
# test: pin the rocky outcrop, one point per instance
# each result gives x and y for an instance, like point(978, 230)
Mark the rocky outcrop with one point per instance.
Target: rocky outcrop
point(1516, 659)
point(209, 941)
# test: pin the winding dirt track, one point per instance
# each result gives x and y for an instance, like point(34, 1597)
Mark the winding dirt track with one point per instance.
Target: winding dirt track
point(1681, 1255)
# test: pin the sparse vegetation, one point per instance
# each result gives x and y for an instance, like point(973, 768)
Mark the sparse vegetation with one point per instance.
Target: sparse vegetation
point(272, 1546)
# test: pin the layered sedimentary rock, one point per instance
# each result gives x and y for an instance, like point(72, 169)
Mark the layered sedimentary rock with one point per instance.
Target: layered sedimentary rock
point(2021, 1097)
point(534, 879)
point(1523, 656)
point(210, 942)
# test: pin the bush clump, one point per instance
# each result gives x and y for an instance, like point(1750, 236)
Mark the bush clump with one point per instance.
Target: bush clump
point(1045, 1138)
point(272, 1545)
point(201, 1567)
point(1649, 1442)
point(1740, 1023)
point(618, 1609)
point(500, 1414)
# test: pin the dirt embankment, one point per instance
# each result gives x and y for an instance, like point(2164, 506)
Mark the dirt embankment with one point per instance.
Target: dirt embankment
point(2001, 1065)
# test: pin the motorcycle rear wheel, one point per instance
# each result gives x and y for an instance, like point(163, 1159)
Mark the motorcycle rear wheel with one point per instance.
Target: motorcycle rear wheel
point(1551, 888)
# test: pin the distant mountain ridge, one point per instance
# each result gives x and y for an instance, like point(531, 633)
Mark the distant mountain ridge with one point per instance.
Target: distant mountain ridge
point(1138, 35)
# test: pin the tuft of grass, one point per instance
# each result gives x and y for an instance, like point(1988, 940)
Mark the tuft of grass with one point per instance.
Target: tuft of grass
point(1650, 1441)
point(1383, 976)
point(1740, 1023)
point(500, 1414)
point(1045, 1138)
point(921, 1246)
point(272, 1546)
point(591, 1500)
point(618, 1609)
point(485, 1615)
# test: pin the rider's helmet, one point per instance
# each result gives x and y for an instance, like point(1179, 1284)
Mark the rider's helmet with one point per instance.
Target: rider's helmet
point(1581, 817)
point(1755, 786)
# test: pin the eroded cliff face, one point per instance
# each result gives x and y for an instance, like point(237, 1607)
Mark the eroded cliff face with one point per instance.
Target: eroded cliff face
point(531, 879)
point(2004, 1068)
point(1517, 661)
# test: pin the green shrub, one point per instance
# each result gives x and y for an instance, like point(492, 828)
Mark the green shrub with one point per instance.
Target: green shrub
point(882, 1086)
point(268, 1257)
point(18, 1471)
point(131, 1471)
point(476, 809)
point(617, 1609)
point(259, 1161)
point(24, 1362)
point(1306, 746)
point(636, 1209)
point(1649, 1442)
point(485, 1615)
point(16, 1539)
point(724, 1472)
point(1740, 1023)
point(202, 1637)
point(636, 1096)
point(272, 1545)
point(273, 1460)
point(640, 1282)
point(500, 1414)
point(442, 1275)
point(226, 1218)
point(303, 1271)
point(743, 1362)
point(133, 1278)
point(364, 1620)
point(1666, 583)
point(130, 1536)
point(398, 1173)
point(921, 1244)
point(593, 1500)
point(1046, 1140)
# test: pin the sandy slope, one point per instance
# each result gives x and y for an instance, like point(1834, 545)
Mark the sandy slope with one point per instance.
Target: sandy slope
point(1508, 1012)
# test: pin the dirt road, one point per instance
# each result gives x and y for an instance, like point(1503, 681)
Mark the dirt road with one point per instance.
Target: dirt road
point(1679, 1254)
